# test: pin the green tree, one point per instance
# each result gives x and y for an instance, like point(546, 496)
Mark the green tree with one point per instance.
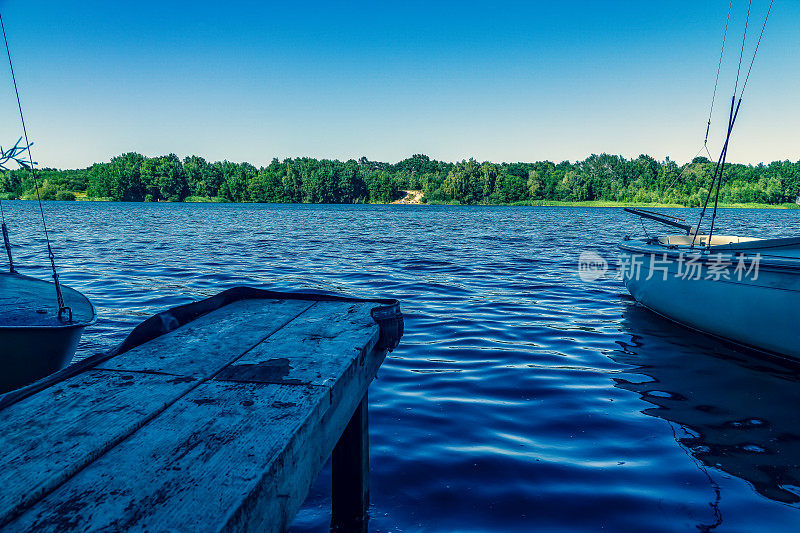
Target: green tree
point(171, 179)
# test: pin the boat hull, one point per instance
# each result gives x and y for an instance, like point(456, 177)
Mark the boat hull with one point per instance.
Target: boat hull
point(758, 311)
point(29, 354)
point(34, 340)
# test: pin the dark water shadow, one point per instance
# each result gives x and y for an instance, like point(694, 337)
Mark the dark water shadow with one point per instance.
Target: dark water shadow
point(735, 410)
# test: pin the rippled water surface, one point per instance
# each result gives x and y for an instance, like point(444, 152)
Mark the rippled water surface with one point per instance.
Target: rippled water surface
point(521, 398)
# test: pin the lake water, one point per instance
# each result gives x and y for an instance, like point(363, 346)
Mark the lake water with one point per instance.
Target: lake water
point(521, 398)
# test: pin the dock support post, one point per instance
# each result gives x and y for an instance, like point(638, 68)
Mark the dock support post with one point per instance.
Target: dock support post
point(350, 464)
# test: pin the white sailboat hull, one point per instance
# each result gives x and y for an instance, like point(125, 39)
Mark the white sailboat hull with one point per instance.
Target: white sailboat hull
point(760, 309)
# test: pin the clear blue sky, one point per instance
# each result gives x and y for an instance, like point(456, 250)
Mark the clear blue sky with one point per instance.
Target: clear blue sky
point(499, 81)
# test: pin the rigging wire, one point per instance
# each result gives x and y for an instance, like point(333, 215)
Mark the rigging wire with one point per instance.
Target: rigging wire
point(61, 307)
point(4, 230)
point(711, 110)
point(760, 36)
point(6, 242)
point(734, 112)
point(716, 80)
point(731, 120)
point(744, 38)
point(733, 117)
point(685, 168)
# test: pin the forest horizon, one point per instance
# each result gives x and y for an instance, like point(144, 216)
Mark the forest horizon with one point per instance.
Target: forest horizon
point(612, 178)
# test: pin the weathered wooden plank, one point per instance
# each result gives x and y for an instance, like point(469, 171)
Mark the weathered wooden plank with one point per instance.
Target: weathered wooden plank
point(48, 437)
point(78, 427)
point(310, 447)
point(273, 505)
point(350, 469)
point(227, 456)
point(204, 346)
point(317, 348)
point(188, 468)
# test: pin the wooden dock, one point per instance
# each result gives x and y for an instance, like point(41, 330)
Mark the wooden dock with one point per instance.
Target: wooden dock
point(222, 423)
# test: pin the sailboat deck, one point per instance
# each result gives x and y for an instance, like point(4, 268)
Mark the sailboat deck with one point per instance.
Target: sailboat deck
point(220, 424)
point(31, 302)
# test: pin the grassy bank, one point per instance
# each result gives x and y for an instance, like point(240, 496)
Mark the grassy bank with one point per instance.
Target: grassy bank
point(606, 203)
point(81, 196)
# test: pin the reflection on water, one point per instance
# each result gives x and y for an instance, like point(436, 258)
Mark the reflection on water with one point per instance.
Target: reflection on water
point(521, 397)
point(734, 410)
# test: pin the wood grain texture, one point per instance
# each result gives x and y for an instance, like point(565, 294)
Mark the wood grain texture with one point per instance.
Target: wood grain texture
point(204, 346)
point(188, 468)
point(211, 442)
point(316, 348)
point(229, 456)
point(48, 437)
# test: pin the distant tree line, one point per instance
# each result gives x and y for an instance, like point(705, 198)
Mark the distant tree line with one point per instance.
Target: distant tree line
point(134, 177)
